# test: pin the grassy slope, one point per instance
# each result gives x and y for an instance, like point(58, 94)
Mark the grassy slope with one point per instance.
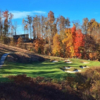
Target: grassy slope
point(44, 69)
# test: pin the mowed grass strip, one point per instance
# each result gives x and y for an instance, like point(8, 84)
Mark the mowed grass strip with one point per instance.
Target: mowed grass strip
point(45, 69)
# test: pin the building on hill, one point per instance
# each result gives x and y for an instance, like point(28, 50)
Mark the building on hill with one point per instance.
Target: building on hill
point(25, 37)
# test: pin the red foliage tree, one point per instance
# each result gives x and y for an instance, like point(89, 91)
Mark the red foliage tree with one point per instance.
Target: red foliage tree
point(78, 42)
point(73, 31)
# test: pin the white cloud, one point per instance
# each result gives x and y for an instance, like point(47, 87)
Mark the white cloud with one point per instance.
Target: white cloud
point(23, 14)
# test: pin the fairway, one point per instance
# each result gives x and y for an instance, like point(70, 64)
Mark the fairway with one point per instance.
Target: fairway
point(45, 69)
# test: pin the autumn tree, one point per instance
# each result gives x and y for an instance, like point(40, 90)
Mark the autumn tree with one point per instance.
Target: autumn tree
point(50, 24)
point(92, 25)
point(56, 45)
point(37, 27)
point(67, 22)
point(14, 28)
point(68, 41)
point(7, 22)
point(39, 45)
point(19, 42)
point(91, 29)
point(61, 23)
point(26, 28)
point(95, 30)
point(51, 17)
point(28, 24)
point(12, 42)
point(98, 53)
point(89, 26)
point(78, 42)
point(50, 27)
point(85, 25)
point(77, 24)
point(43, 27)
point(5, 26)
point(1, 23)
point(90, 44)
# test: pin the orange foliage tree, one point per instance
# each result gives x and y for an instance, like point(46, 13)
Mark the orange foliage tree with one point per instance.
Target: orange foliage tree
point(39, 45)
point(56, 45)
point(91, 56)
point(19, 42)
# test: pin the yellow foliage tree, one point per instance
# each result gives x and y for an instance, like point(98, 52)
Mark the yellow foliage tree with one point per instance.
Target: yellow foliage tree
point(56, 45)
point(68, 41)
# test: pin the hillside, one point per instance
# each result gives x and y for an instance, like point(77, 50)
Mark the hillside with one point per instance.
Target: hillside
point(45, 80)
point(20, 54)
point(25, 54)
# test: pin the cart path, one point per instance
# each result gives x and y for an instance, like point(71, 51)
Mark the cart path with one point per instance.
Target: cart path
point(3, 59)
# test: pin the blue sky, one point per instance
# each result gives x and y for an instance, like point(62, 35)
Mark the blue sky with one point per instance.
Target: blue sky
point(75, 10)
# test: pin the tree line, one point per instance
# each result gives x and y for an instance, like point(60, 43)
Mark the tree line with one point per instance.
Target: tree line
point(55, 36)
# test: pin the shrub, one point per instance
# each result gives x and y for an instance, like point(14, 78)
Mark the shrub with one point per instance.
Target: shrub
point(12, 43)
point(39, 46)
point(19, 42)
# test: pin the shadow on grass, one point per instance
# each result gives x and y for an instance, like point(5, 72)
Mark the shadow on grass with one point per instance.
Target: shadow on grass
point(34, 70)
point(44, 69)
point(5, 80)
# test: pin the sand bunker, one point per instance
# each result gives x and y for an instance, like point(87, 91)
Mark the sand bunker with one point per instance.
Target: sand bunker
point(75, 71)
point(67, 67)
point(83, 67)
point(54, 61)
point(69, 62)
point(85, 62)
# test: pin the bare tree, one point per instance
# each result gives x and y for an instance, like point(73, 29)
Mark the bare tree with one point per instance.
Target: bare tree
point(14, 27)
point(28, 23)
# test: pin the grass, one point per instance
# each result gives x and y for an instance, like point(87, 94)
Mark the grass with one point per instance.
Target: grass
point(45, 69)
point(2, 80)
point(77, 63)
